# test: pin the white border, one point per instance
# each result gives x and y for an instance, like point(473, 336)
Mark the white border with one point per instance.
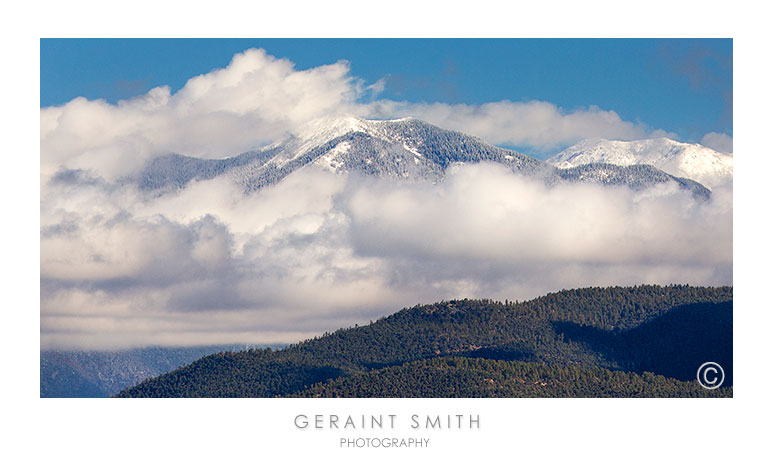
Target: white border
point(257, 430)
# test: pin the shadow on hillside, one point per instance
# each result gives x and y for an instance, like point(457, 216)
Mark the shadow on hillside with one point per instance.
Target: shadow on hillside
point(674, 344)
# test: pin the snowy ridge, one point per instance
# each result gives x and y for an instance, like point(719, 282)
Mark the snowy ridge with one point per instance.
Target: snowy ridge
point(692, 161)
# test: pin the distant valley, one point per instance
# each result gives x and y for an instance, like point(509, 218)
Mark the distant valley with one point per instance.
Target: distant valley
point(104, 373)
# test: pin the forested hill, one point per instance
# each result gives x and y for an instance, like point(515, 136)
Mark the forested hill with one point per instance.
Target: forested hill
point(583, 333)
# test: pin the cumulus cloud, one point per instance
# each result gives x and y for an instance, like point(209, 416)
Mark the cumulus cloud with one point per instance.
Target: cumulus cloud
point(207, 264)
point(721, 142)
point(254, 100)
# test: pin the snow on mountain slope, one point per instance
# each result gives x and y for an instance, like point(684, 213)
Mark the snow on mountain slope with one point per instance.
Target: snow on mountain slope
point(692, 161)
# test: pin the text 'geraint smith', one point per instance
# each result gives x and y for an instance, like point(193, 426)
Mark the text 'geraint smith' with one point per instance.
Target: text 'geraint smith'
point(332, 421)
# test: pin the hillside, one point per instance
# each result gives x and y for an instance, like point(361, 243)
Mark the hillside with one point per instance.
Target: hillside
point(633, 329)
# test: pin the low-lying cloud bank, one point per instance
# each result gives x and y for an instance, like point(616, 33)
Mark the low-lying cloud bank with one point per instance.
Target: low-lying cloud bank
point(318, 251)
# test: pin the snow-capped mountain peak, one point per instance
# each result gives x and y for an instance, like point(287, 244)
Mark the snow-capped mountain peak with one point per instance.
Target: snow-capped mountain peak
point(693, 161)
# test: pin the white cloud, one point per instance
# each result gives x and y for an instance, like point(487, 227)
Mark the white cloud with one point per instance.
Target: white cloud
point(484, 213)
point(719, 142)
point(254, 100)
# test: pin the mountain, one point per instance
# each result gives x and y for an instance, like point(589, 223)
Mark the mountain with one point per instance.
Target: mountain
point(407, 149)
point(654, 335)
point(686, 160)
point(103, 373)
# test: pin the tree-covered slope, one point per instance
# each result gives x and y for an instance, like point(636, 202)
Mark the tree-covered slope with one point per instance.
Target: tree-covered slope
point(475, 377)
point(549, 330)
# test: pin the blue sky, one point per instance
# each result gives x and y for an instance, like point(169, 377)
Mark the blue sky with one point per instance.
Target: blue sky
point(681, 86)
